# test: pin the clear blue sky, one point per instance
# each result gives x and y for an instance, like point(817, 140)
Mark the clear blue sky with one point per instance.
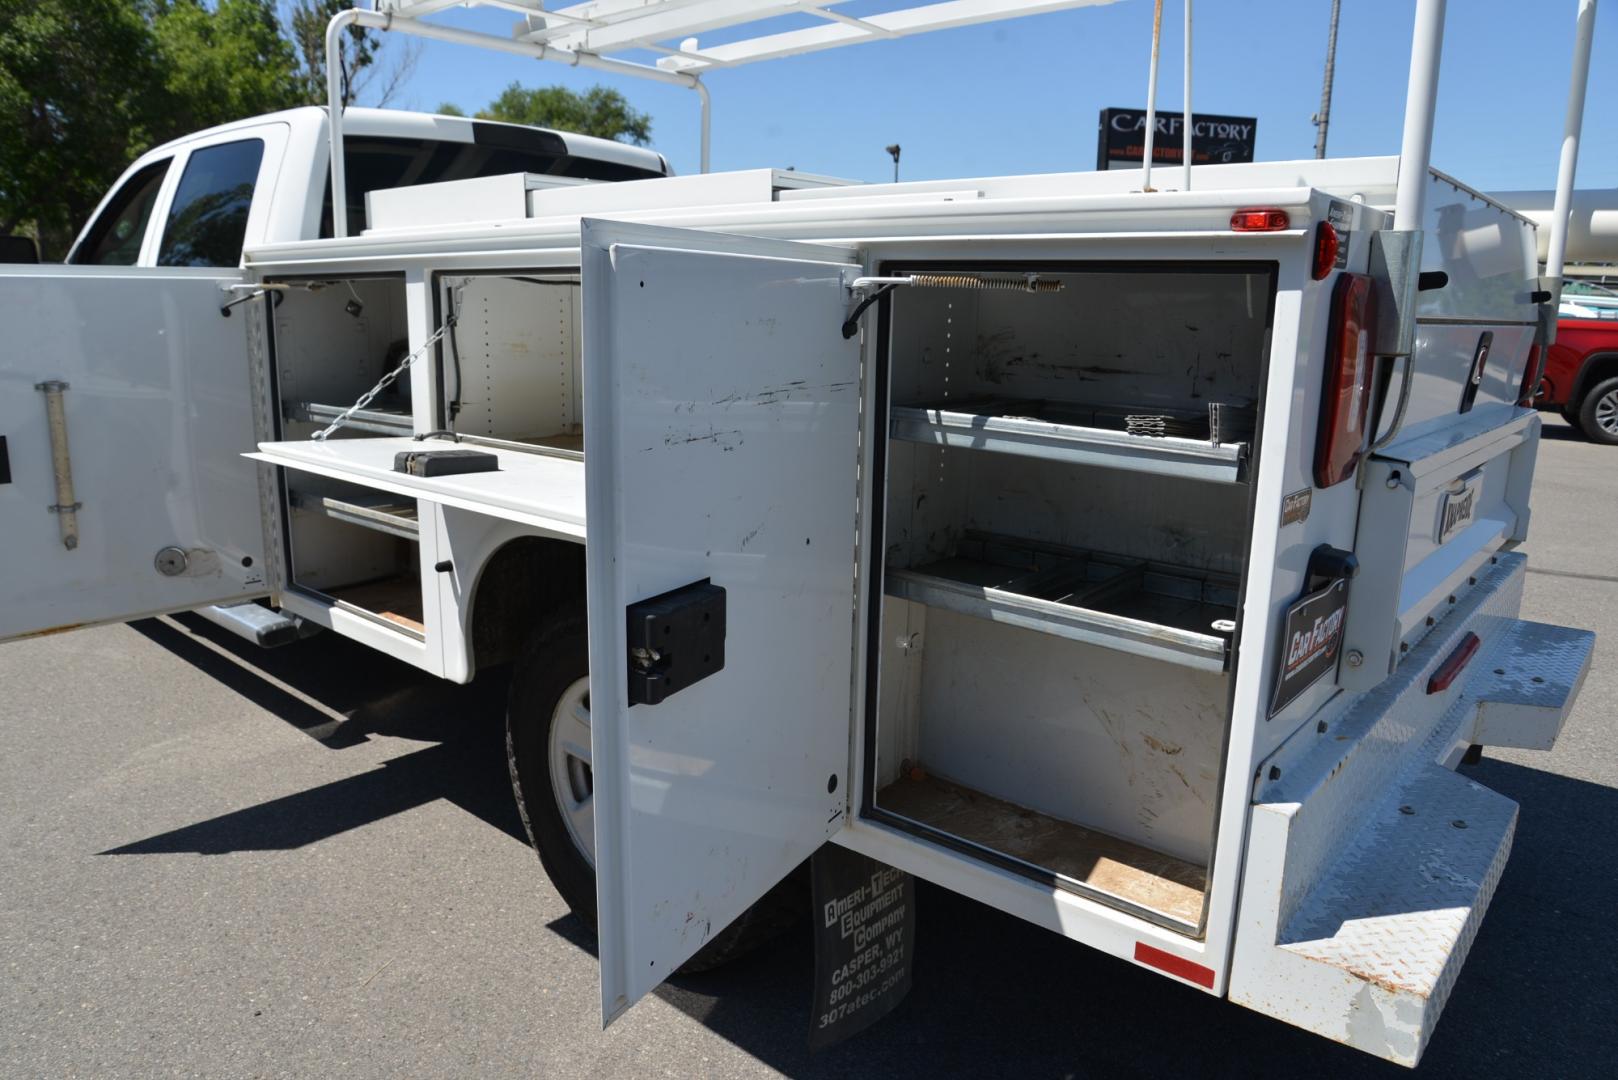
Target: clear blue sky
point(1023, 96)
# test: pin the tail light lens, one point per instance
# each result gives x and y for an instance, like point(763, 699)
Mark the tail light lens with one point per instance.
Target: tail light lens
point(1326, 246)
point(1347, 393)
point(1260, 219)
point(1530, 378)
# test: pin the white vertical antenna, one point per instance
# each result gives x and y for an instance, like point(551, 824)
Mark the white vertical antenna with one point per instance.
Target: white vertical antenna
point(1421, 96)
point(1185, 124)
point(1151, 99)
point(1556, 250)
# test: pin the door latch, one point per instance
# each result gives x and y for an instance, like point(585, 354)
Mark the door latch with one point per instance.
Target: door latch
point(675, 639)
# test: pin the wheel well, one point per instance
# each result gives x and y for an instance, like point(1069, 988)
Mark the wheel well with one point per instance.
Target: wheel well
point(524, 578)
point(1595, 369)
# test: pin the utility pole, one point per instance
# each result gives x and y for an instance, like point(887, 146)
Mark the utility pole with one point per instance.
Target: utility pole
point(894, 150)
point(1323, 117)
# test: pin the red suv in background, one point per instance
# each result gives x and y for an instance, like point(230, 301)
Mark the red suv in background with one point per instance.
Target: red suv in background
point(1581, 372)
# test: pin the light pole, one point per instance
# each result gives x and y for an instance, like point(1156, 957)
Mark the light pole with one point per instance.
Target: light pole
point(1323, 117)
point(894, 151)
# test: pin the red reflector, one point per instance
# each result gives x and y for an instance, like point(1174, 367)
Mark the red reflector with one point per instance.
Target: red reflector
point(1326, 246)
point(1531, 377)
point(1174, 965)
point(1264, 219)
point(1449, 669)
point(1346, 395)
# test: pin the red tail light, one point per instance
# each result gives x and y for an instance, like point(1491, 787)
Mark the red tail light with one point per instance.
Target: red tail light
point(1347, 392)
point(1261, 219)
point(1530, 378)
point(1326, 246)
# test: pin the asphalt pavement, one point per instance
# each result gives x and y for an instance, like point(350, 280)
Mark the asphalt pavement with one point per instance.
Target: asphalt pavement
point(223, 862)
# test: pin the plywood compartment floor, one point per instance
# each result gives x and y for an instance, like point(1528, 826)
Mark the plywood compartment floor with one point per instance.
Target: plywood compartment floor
point(558, 442)
point(1139, 875)
point(397, 600)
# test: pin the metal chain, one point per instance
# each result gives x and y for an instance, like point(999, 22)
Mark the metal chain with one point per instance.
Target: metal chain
point(385, 382)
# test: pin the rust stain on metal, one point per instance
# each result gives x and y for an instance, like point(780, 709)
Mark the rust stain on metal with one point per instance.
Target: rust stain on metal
point(1161, 746)
point(52, 630)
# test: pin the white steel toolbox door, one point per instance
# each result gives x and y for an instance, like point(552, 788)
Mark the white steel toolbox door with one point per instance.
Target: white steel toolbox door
point(125, 406)
point(721, 444)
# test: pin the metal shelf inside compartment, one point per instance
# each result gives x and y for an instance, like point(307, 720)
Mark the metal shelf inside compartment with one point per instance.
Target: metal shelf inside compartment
point(384, 512)
point(376, 420)
point(1146, 608)
point(1086, 434)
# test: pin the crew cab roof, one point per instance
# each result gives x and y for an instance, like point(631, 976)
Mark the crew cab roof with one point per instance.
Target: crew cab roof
point(401, 124)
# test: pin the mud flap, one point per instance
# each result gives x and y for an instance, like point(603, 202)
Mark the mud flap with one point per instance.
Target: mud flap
point(865, 932)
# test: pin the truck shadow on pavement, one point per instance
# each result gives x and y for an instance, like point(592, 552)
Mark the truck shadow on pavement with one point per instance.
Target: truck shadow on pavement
point(342, 696)
point(993, 996)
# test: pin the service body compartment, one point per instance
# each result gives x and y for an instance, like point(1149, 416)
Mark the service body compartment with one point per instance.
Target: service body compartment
point(1064, 528)
point(485, 362)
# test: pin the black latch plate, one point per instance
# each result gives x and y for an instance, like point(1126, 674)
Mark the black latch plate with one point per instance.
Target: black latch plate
point(675, 639)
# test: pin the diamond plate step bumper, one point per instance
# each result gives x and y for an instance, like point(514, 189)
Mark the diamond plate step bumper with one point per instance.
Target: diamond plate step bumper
point(1369, 864)
point(1523, 700)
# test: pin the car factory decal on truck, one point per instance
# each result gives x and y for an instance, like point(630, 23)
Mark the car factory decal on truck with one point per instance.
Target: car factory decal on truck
point(1314, 629)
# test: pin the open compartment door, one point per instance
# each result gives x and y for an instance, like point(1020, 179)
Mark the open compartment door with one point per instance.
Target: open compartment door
point(126, 401)
point(722, 446)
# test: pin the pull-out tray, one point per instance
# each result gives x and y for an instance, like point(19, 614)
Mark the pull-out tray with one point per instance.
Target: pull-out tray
point(1149, 609)
point(541, 490)
point(1063, 432)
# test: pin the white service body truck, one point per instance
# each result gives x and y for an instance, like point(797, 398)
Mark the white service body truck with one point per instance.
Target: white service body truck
point(1103, 555)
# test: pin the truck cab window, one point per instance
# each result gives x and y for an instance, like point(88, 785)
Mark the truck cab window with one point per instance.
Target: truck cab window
point(209, 217)
point(376, 162)
point(115, 238)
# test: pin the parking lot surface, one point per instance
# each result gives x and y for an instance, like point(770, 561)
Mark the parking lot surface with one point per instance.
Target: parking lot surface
point(225, 862)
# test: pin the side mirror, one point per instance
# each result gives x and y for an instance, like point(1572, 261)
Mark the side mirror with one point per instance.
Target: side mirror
point(19, 249)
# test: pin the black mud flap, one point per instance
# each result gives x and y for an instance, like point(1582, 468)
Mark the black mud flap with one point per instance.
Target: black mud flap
point(865, 934)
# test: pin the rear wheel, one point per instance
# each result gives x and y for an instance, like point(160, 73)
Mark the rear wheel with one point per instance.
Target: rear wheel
point(1598, 413)
point(548, 749)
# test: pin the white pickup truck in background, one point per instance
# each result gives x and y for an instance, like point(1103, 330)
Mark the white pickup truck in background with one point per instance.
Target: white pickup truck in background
point(199, 200)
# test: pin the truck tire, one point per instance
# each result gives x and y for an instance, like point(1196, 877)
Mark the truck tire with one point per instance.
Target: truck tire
point(548, 751)
point(1598, 413)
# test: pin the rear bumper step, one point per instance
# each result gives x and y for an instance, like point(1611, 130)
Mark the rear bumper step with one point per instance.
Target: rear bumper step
point(1523, 698)
point(1369, 863)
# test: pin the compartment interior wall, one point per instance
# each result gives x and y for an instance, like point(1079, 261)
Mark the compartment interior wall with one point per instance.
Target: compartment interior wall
point(517, 345)
point(326, 355)
point(328, 554)
point(1172, 339)
point(1118, 743)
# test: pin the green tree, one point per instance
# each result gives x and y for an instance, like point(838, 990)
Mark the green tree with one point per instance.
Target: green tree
point(361, 51)
point(86, 86)
point(80, 84)
point(598, 111)
point(223, 64)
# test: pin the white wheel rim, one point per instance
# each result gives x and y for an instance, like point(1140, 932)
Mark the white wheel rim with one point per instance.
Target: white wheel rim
point(571, 778)
point(1607, 412)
